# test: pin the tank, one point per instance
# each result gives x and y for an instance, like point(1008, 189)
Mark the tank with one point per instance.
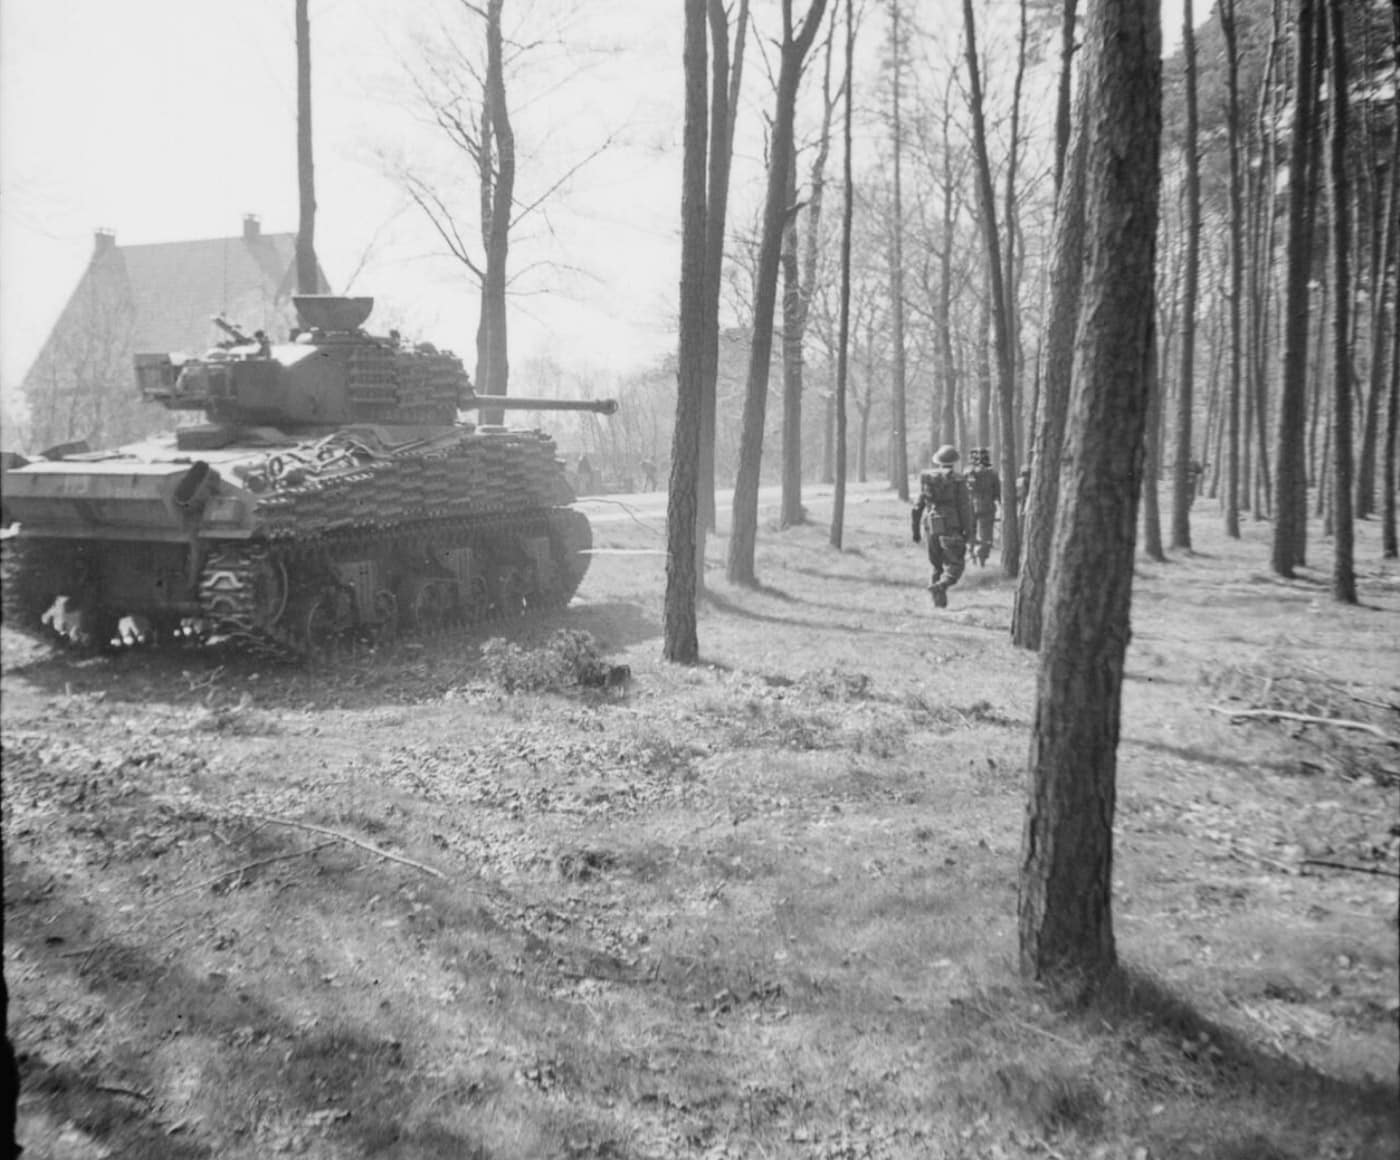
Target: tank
point(332, 491)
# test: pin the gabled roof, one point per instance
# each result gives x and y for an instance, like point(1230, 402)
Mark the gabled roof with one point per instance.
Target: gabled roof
point(167, 292)
point(176, 286)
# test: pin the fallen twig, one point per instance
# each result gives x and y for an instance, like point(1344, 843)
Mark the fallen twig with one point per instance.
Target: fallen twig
point(1307, 719)
point(121, 1091)
point(1384, 873)
point(239, 871)
point(377, 851)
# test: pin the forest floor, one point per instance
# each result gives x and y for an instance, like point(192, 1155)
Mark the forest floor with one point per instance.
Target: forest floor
point(761, 907)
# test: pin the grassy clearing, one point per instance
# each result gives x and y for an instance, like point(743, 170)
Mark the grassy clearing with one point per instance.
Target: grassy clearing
point(761, 907)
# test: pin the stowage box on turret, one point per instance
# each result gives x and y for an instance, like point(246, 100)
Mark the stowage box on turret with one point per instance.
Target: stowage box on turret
point(332, 491)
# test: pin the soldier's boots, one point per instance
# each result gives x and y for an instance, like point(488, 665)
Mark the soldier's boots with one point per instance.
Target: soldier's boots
point(939, 593)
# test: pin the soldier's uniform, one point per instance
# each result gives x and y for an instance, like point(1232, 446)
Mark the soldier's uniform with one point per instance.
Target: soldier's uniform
point(984, 484)
point(943, 519)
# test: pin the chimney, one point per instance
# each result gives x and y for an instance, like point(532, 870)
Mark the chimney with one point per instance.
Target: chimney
point(103, 240)
point(251, 229)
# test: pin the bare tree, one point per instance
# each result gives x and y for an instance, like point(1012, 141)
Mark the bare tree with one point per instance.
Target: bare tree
point(1343, 569)
point(899, 443)
point(1235, 293)
point(681, 641)
point(1184, 478)
point(308, 281)
point(1065, 909)
point(838, 506)
point(744, 527)
point(1052, 407)
point(725, 82)
point(1291, 470)
point(799, 282)
point(1006, 378)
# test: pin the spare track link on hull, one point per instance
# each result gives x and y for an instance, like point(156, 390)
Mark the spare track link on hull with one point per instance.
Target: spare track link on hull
point(278, 598)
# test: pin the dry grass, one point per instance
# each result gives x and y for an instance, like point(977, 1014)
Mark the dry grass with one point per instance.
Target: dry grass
point(760, 907)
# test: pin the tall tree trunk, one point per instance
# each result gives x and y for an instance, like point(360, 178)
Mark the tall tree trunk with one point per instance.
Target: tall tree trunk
point(1066, 277)
point(497, 201)
point(790, 502)
point(680, 637)
point(799, 280)
point(1383, 241)
point(307, 280)
point(1185, 479)
point(838, 505)
point(724, 100)
point(899, 442)
point(743, 533)
point(945, 288)
point(1235, 294)
point(1343, 569)
point(1152, 463)
point(1010, 524)
point(1065, 911)
point(1291, 465)
point(1390, 548)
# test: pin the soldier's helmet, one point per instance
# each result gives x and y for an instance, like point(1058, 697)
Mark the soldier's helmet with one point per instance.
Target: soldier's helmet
point(945, 456)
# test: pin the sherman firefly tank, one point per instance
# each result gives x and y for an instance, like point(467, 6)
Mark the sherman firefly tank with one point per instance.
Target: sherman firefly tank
point(332, 492)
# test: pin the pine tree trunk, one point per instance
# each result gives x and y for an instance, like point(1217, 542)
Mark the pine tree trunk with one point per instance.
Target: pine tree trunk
point(1233, 448)
point(790, 503)
point(680, 637)
point(838, 505)
point(724, 95)
point(308, 281)
point(1343, 568)
point(899, 443)
point(1010, 524)
point(498, 202)
point(743, 534)
point(1064, 909)
point(1066, 276)
point(1152, 465)
point(1291, 467)
point(1184, 482)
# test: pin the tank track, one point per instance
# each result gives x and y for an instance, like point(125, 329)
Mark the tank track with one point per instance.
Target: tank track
point(258, 594)
point(265, 596)
point(32, 573)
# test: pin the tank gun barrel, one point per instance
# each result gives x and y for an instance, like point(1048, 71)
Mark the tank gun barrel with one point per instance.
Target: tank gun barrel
point(524, 403)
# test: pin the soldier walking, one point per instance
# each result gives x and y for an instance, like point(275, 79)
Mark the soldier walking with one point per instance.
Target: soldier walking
point(943, 516)
point(985, 486)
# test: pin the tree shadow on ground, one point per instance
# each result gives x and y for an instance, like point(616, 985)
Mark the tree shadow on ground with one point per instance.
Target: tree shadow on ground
point(1202, 756)
point(1293, 1098)
point(259, 1051)
point(723, 604)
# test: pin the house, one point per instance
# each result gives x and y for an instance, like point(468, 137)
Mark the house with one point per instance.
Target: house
point(151, 299)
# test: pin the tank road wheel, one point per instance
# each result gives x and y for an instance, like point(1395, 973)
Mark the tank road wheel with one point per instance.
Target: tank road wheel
point(431, 606)
point(512, 588)
point(270, 591)
point(476, 605)
point(329, 614)
point(383, 623)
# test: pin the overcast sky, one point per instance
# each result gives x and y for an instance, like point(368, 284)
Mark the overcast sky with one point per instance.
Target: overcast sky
point(166, 120)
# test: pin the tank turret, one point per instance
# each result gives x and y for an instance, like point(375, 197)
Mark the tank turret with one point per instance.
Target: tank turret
point(330, 374)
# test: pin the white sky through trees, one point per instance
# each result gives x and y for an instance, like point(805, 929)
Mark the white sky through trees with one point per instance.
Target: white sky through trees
point(168, 120)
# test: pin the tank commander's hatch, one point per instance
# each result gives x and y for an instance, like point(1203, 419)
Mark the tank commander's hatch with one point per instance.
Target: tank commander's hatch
point(331, 311)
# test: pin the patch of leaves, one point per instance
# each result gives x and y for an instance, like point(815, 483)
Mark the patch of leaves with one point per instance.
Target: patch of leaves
point(568, 660)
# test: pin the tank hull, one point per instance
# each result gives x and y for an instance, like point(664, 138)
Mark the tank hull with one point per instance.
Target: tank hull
point(290, 543)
